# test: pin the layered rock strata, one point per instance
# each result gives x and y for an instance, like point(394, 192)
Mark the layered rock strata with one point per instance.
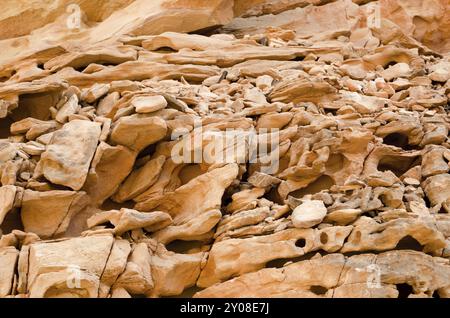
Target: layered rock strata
point(300, 150)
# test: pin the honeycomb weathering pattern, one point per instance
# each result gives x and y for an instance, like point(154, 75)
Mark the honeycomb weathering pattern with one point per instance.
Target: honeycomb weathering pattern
point(262, 148)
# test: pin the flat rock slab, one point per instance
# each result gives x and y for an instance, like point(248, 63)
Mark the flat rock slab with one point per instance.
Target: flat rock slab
point(149, 104)
point(136, 132)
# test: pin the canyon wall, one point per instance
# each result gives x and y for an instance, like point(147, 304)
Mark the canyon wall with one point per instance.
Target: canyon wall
point(219, 148)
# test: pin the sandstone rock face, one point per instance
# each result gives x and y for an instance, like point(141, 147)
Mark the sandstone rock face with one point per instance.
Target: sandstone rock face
point(225, 148)
point(40, 26)
point(340, 276)
point(426, 21)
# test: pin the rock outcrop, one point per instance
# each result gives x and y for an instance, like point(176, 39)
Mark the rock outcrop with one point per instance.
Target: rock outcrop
point(225, 148)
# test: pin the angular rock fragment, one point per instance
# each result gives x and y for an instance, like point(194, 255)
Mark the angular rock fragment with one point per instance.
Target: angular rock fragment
point(69, 108)
point(53, 266)
point(173, 272)
point(67, 158)
point(8, 262)
point(101, 183)
point(7, 196)
point(149, 104)
point(140, 180)
point(138, 132)
point(137, 277)
point(49, 213)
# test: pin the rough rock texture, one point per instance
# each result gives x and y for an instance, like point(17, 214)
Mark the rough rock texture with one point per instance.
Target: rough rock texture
point(225, 148)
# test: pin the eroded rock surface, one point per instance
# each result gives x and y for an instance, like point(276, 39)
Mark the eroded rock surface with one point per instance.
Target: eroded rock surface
point(299, 149)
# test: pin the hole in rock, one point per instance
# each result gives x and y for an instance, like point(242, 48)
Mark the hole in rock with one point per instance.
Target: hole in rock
point(246, 174)
point(442, 210)
point(372, 213)
point(331, 112)
point(391, 63)
point(404, 290)
point(280, 262)
point(35, 106)
point(80, 69)
point(165, 49)
point(324, 238)
point(208, 31)
point(397, 140)
point(299, 58)
point(5, 125)
point(322, 183)
point(111, 205)
point(300, 243)
point(436, 294)
point(318, 290)
point(181, 247)
point(227, 196)
point(335, 163)
point(274, 196)
point(398, 165)
point(427, 201)
point(226, 199)
point(263, 41)
point(436, 85)
point(11, 222)
point(148, 151)
point(409, 243)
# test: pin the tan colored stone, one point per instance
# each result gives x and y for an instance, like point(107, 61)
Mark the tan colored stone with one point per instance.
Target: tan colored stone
point(308, 214)
point(173, 273)
point(68, 156)
point(234, 257)
point(69, 108)
point(140, 180)
point(90, 121)
point(48, 213)
point(368, 235)
point(53, 264)
point(148, 104)
point(335, 276)
point(8, 261)
point(138, 132)
point(100, 182)
point(137, 276)
point(128, 219)
point(7, 196)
